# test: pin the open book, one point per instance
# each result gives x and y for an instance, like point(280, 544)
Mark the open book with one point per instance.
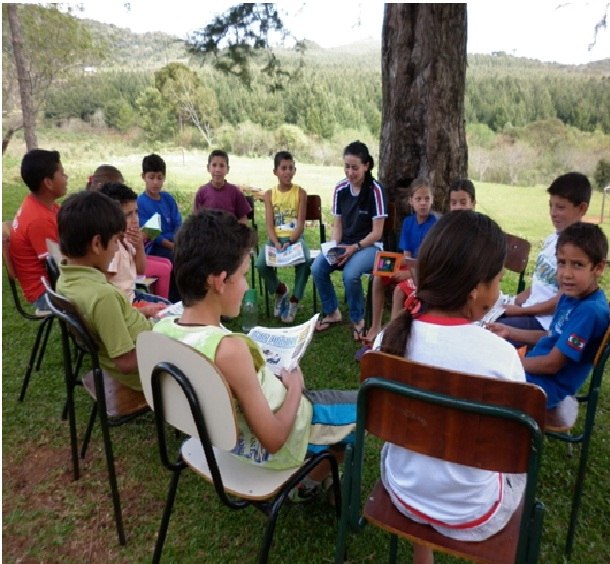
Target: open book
point(283, 347)
point(152, 228)
point(332, 252)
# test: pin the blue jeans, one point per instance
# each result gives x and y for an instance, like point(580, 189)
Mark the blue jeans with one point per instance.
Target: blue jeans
point(361, 262)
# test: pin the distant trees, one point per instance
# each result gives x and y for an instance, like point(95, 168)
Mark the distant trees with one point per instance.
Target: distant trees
point(39, 46)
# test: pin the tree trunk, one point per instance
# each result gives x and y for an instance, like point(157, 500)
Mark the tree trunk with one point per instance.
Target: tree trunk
point(423, 83)
point(27, 106)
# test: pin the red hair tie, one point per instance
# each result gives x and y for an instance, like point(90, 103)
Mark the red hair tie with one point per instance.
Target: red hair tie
point(413, 305)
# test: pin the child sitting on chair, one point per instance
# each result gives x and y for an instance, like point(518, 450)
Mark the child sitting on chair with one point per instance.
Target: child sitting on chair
point(130, 258)
point(90, 225)
point(563, 356)
point(279, 421)
point(454, 288)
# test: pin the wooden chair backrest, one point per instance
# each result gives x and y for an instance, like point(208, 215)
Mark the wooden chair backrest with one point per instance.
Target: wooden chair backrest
point(517, 253)
point(444, 432)
point(314, 213)
point(211, 389)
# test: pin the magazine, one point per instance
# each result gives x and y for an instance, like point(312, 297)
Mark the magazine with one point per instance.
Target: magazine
point(291, 255)
point(497, 310)
point(283, 347)
point(332, 252)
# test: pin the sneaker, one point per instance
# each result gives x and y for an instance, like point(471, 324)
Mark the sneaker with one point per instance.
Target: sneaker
point(304, 494)
point(280, 303)
point(289, 314)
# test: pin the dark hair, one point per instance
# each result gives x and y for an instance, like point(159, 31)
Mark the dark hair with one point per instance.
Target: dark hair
point(463, 249)
point(420, 183)
point(84, 215)
point(153, 163)
point(463, 184)
point(281, 156)
point(404, 182)
point(360, 150)
point(218, 153)
point(119, 192)
point(573, 186)
point(589, 238)
point(37, 165)
point(208, 242)
point(103, 174)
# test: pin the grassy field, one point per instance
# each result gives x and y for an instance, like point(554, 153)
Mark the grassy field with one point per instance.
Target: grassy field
point(47, 517)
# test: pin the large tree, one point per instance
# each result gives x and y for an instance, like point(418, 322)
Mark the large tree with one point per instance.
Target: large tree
point(423, 84)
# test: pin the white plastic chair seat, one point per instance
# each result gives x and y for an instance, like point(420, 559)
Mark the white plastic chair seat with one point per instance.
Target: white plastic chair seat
point(239, 478)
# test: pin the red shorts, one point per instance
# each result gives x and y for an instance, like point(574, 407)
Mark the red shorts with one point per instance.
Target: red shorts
point(391, 281)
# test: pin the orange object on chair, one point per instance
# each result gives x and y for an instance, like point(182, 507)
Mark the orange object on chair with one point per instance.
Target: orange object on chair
point(161, 269)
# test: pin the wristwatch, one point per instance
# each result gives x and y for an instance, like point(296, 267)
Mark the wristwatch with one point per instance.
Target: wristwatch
point(359, 246)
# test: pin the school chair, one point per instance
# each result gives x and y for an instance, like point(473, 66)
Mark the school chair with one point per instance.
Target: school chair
point(43, 318)
point(188, 391)
point(517, 255)
point(313, 213)
point(455, 417)
point(561, 420)
point(113, 403)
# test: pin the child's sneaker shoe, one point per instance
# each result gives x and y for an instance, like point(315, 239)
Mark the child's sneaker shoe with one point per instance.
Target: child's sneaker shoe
point(280, 302)
point(289, 314)
point(304, 494)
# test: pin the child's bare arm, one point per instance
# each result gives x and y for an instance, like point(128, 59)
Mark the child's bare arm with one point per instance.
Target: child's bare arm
point(302, 212)
point(270, 219)
point(136, 238)
point(272, 429)
point(549, 364)
point(527, 336)
point(127, 363)
point(543, 308)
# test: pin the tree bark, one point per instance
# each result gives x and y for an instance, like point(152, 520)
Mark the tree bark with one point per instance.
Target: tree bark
point(27, 106)
point(423, 84)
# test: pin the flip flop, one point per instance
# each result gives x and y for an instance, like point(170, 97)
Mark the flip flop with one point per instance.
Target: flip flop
point(358, 334)
point(326, 324)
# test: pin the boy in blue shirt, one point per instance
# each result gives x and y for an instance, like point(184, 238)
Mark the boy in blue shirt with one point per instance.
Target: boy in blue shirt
point(155, 200)
point(562, 358)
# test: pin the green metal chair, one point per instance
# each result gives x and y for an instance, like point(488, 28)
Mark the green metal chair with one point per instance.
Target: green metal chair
point(455, 417)
point(561, 420)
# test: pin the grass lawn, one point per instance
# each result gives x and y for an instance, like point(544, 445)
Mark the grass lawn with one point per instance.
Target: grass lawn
point(49, 517)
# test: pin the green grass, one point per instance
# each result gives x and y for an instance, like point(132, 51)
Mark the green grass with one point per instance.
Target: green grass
point(49, 517)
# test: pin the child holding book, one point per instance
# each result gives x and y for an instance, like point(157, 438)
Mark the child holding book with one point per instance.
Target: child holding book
point(279, 421)
point(285, 210)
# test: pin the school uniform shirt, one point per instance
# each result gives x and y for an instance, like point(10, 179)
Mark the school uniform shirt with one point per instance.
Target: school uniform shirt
point(577, 330)
point(448, 493)
point(357, 221)
point(413, 233)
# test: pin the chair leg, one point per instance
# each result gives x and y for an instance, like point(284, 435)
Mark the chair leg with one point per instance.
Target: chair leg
point(88, 430)
point(43, 347)
point(32, 360)
point(167, 512)
point(70, 411)
point(576, 500)
point(114, 488)
point(393, 549)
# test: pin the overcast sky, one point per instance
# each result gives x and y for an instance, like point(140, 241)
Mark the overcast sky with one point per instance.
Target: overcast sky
point(549, 30)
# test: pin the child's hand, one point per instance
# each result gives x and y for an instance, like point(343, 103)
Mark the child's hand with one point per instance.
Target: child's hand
point(149, 310)
point(285, 245)
point(279, 246)
point(134, 236)
point(512, 310)
point(292, 377)
point(402, 275)
point(499, 329)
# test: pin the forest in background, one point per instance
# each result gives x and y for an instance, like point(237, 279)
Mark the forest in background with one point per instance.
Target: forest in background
point(526, 121)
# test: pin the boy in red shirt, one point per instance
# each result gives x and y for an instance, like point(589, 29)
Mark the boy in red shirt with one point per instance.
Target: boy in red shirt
point(36, 221)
